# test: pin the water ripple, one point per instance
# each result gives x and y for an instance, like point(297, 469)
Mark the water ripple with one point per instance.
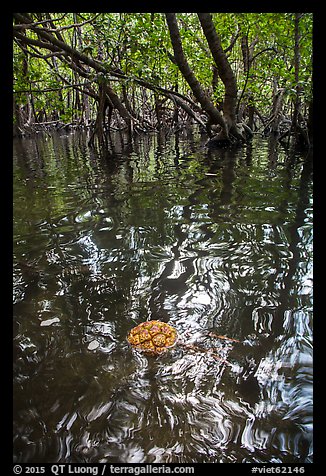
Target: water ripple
point(216, 245)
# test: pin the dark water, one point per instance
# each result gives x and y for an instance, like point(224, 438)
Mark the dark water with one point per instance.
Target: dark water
point(213, 242)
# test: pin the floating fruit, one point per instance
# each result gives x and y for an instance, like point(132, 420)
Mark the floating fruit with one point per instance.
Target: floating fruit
point(152, 337)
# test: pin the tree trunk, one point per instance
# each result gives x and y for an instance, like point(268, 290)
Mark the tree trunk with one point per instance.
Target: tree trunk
point(207, 105)
point(296, 71)
point(99, 130)
point(247, 59)
point(224, 70)
point(310, 121)
point(277, 111)
point(117, 104)
point(301, 135)
point(17, 118)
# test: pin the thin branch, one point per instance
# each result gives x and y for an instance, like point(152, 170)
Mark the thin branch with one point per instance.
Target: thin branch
point(248, 74)
point(49, 55)
point(39, 43)
point(22, 26)
point(73, 25)
point(47, 90)
point(25, 26)
point(263, 51)
point(233, 40)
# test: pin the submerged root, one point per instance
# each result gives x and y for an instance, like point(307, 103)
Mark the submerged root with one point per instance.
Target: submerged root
point(237, 135)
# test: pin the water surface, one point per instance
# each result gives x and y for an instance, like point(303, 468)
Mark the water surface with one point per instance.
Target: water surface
point(212, 242)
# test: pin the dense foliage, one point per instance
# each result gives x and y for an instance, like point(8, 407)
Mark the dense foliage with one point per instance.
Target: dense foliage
point(118, 70)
